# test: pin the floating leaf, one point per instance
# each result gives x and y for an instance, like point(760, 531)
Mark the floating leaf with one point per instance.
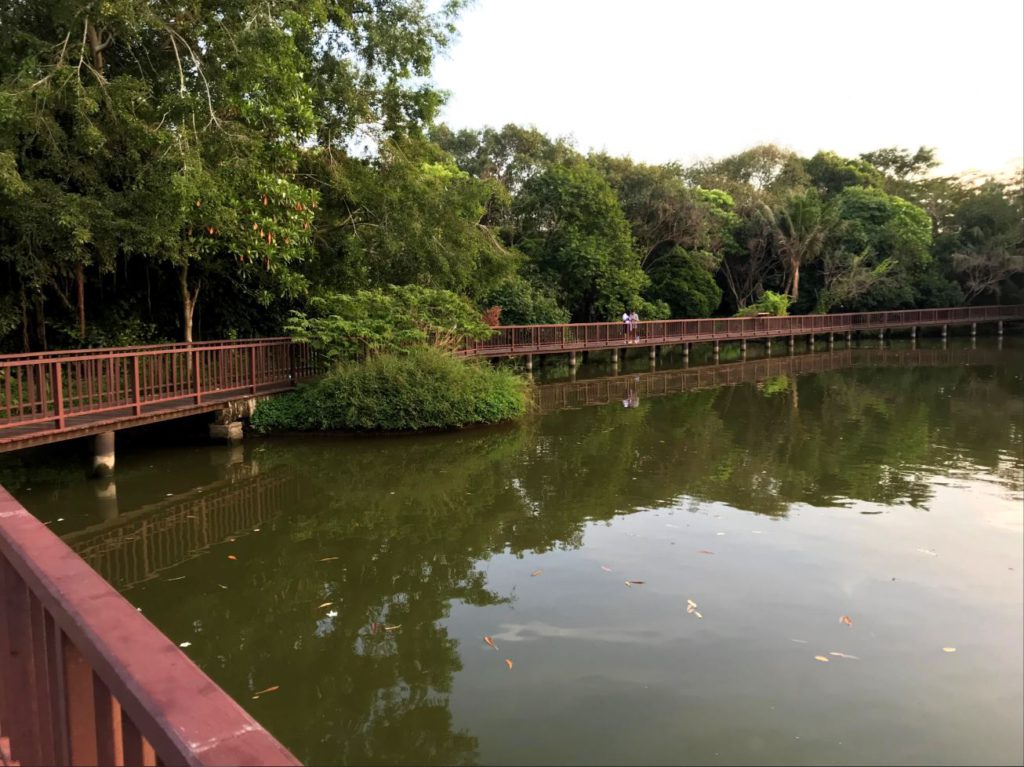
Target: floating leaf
point(327, 559)
point(843, 655)
point(690, 603)
point(535, 573)
point(704, 551)
point(232, 557)
point(508, 662)
point(634, 583)
point(222, 586)
point(847, 620)
point(185, 644)
point(179, 578)
point(822, 658)
point(393, 628)
point(490, 643)
point(697, 614)
point(948, 649)
point(325, 604)
point(332, 613)
point(255, 695)
point(606, 568)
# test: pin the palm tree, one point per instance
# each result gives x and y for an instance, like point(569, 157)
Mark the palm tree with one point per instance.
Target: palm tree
point(802, 227)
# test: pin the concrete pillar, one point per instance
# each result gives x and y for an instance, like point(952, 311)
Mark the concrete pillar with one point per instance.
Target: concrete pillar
point(743, 353)
point(103, 454)
point(974, 330)
point(572, 359)
point(881, 334)
point(792, 341)
point(654, 363)
point(945, 331)
point(717, 348)
point(654, 352)
point(913, 331)
point(228, 432)
point(743, 346)
point(810, 341)
point(686, 351)
point(768, 346)
point(615, 359)
point(849, 337)
point(999, 342)
point(999, 327)
point(529, 363)
point(831, 339)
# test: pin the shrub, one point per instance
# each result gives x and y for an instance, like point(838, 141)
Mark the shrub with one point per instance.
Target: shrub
point(423, 389)
point(770, 303)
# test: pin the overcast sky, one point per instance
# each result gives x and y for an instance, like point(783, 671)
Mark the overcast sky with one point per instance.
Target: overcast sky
point(663, 80)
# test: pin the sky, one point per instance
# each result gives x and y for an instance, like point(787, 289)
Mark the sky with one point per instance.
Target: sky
point(663, 80)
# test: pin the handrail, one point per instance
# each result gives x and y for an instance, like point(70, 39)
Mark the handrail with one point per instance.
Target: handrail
point(86, 679)
point(526, 339)
point(171, 346)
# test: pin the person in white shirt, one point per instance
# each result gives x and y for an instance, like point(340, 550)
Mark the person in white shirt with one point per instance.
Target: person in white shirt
point(634, 325)
point(626, 322)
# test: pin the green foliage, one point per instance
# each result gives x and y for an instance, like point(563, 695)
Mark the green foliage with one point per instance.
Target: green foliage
point(832, 174)
point(770, 303)
point(423, 389)
point(392, 320)
point(576, 235)
point(684, 281)
point(524, 302)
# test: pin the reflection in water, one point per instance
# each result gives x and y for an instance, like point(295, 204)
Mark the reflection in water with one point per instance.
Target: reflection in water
point(366, 571)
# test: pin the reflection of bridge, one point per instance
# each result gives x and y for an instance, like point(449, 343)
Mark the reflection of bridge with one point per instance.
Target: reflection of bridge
point(635, 386)
point(135, 547)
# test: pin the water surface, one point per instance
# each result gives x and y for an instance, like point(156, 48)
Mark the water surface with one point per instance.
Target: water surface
point(882, 486)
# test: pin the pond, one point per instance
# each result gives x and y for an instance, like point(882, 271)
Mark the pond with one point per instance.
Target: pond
point(813, 559)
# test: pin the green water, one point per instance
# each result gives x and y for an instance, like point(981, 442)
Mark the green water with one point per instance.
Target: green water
point(887, 490)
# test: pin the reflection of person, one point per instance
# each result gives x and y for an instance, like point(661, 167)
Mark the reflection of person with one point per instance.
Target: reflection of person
point(634, 393)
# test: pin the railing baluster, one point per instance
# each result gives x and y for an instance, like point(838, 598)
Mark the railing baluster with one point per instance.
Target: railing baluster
point(136, 749)
point(81, 715)
point(109, 743)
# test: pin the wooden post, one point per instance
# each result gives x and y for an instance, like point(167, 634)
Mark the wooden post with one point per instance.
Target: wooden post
point(572, 359)
point(999, 327)
point(974, 329)
point(945, 331)
point(57, 386)
point(529, 363)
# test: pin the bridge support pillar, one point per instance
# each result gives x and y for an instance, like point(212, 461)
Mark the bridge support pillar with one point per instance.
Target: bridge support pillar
point(686, 351)
point(743, 345)
point(831, 339)
point(228, 432)
point(529, 363)
point(974, 330)
point(999, 327)
point(654, 352)
point(718, 348)
point(945, 330)
point(913, 331)
point(792, 344)
point(810, 341)
point(615, 359)
point(881, 334)
point(106, 497)
point(103, 454)
point(768, 345)
point(849, 337)
point(572, 359)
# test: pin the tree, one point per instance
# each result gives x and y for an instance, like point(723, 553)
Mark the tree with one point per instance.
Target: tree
point(803, 226)
point(831, 173)
point(575, 235)
point(683, 280)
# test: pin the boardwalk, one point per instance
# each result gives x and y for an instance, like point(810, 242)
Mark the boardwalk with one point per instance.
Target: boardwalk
point(52, 396)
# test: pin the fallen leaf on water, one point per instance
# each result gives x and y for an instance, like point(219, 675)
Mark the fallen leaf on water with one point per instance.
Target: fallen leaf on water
point(634, 583)
point(606, 568)
point(704, 551)
point(847, 620)
point(490, 643)
point(179, 578)
point(691, 603)
point(222, 586)
point(232, 557)
point(393, 628)
point(185, 644)
point(822, 658)
point(948, 649)
point(535, 573)
point(332, 613)
point(508, 662)
point(327, 559)
point(697, 614)
point(844, 655)
point(255, 695)
point(325, 604)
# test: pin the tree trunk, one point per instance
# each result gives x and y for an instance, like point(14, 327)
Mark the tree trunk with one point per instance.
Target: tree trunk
point(188, 303)
point(80, 284)
point(795, 288)
point(26, 341)
point(40, 322)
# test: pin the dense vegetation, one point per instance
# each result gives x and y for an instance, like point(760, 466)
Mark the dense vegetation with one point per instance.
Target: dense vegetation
point(423, 389)
point(222, 168)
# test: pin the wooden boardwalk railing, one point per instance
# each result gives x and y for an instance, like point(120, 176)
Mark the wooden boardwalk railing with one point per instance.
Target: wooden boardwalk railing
point(49, 396)
point(513, 340)
point(86, 679)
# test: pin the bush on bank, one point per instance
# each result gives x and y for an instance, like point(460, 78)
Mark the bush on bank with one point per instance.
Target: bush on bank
point(423, 389)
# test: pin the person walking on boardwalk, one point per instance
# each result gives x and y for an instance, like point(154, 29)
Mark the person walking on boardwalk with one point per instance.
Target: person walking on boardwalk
point(634, 323)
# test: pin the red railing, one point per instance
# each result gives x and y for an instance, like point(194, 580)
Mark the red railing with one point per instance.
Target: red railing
point(86, 679)
point(531, 339)
point(57, 392)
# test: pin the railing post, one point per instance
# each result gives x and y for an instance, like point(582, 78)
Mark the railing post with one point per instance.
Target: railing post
point(135, 374)
point(252, 369)
point(198, 378)
point(291, 363)
point(57, 385)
